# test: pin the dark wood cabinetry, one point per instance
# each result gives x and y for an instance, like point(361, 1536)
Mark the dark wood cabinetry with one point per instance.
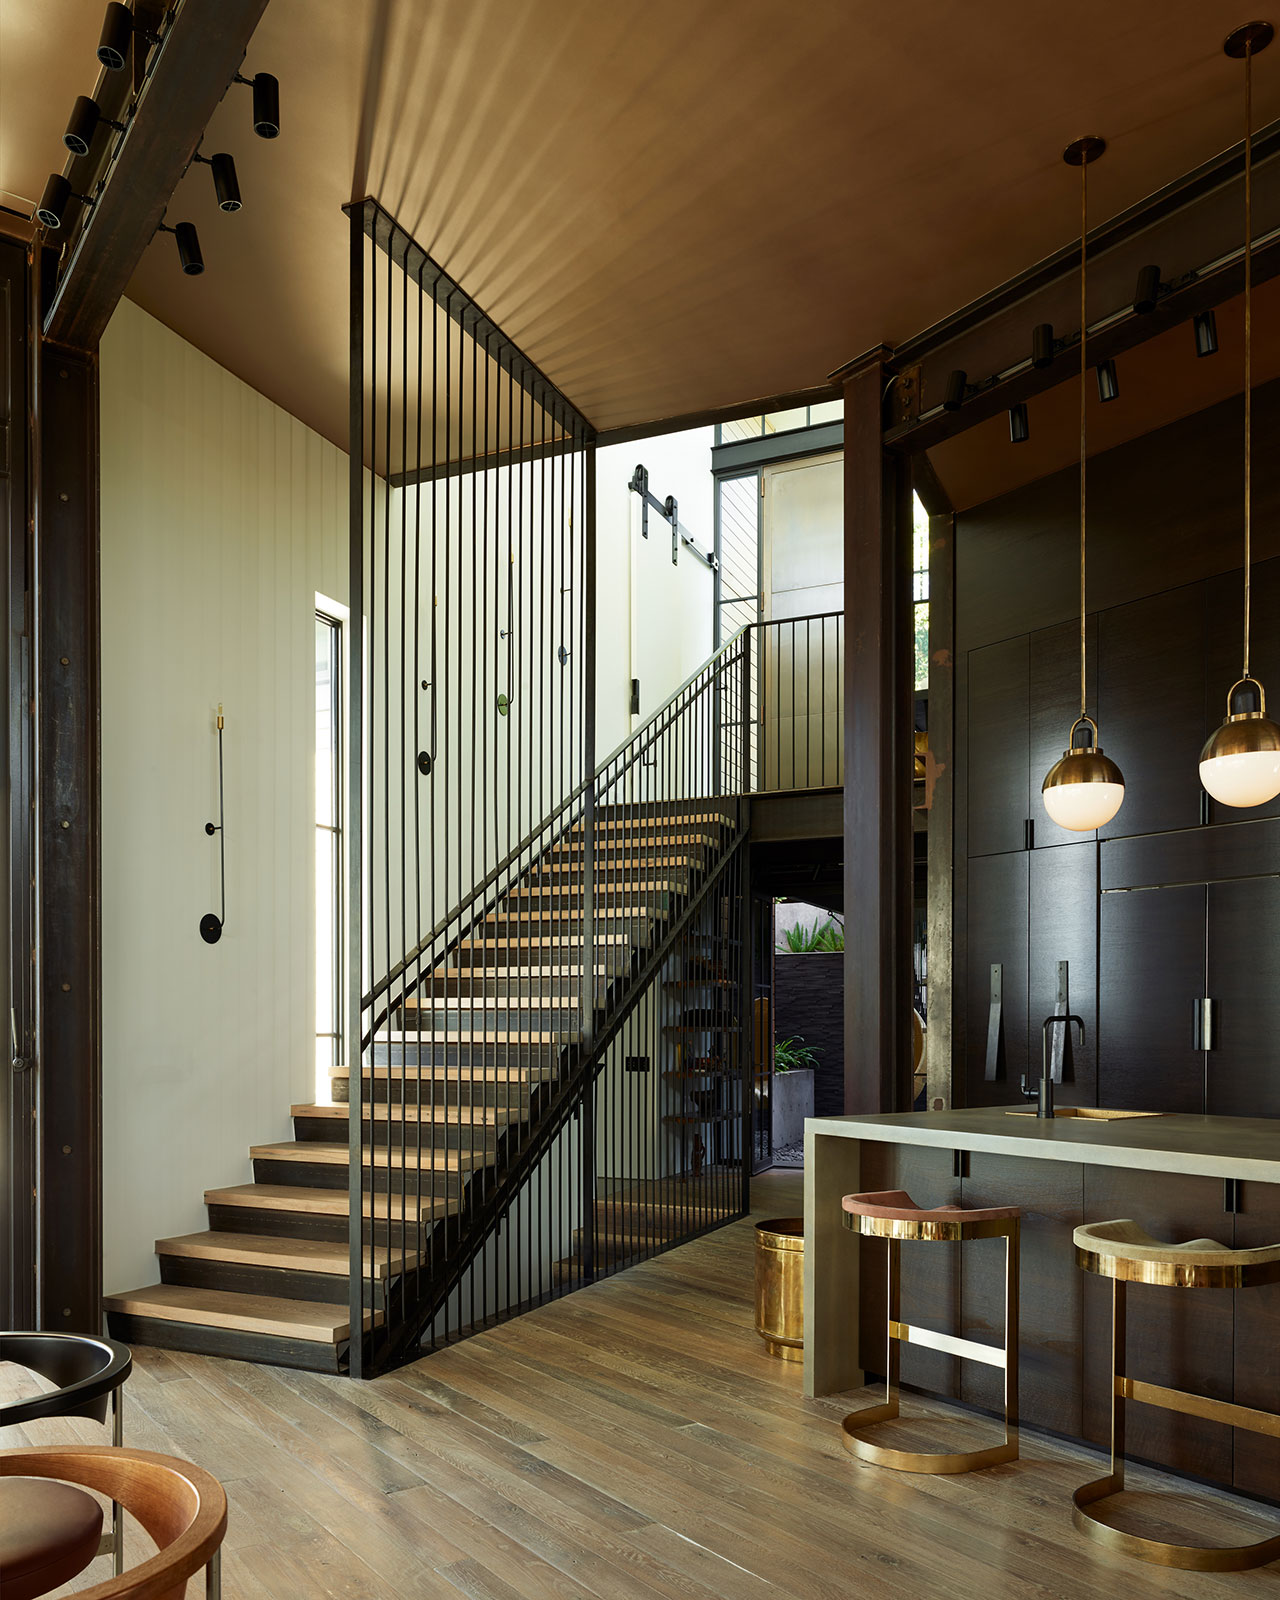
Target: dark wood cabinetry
point(1051, 1307)
point(1064, 927)
point(998, 910)
point(998, 748)
point(1242, 1069)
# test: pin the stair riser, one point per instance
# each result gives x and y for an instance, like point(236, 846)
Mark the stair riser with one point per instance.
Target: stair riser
point(456, 1135)
point(310, 1225)
point(610, 891)
point(381, 1180)
point(542, 953)
point(484, 1019)
point(539, 924)
point(570, 875)
point(268, 1349)
point(279, 1282)
point(457, 1090)
point(479, 986)
point(447, 1053)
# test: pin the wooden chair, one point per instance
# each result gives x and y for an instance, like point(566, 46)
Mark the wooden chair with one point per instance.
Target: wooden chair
point(181, 1506)
point(88, 1372)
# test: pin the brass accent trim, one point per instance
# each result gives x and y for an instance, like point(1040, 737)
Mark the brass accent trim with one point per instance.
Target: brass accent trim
point(779, 1286)
point(1177, 1274)
point(967, 1349)
point(898, 1333)
point(1199, 1405)
point(933, 1230)
point(1159, 1552)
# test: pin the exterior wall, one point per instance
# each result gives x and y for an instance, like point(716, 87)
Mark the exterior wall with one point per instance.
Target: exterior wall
point(222, 517)
point(808, 1002)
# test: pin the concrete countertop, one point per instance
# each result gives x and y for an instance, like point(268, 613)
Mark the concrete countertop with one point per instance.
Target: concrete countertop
point(1214, 1147)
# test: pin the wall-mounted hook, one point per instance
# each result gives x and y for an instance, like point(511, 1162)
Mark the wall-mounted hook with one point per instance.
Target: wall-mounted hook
point(563, 656)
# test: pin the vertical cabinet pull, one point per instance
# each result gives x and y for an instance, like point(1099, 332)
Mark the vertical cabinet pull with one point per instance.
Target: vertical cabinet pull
point(1203, 1024)
point(995, 1067)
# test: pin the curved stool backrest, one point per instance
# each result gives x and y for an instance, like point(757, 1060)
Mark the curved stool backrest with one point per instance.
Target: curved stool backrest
point(87, 1370)
point(181, 1506)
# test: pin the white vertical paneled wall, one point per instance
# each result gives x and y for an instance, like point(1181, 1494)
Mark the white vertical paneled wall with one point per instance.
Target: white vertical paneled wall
point(222, 516)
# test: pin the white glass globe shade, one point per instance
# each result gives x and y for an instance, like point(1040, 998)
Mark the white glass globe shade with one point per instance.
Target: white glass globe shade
point(1248, 778)
point(1083, 806)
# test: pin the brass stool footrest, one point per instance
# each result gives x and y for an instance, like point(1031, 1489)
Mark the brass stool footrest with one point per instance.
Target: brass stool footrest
point(938, 1461)
point(1187, 1557)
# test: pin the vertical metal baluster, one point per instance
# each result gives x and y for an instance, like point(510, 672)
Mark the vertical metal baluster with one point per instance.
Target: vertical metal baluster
point(352, 1053)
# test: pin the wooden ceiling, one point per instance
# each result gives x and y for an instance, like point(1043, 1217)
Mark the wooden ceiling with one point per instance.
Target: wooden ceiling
point(671, 205)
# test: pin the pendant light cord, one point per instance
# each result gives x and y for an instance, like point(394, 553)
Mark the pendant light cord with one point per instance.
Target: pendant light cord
point(1248, 334)
point(1084, 329)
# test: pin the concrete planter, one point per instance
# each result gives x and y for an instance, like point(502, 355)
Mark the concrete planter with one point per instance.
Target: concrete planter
point(792, 1103)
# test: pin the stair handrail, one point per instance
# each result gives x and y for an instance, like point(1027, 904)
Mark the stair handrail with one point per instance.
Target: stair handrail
point(455, 916)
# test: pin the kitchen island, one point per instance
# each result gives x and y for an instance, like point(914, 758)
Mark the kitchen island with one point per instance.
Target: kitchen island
point(1178, 1176)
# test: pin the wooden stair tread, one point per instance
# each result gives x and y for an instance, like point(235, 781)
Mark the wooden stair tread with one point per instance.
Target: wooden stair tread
point(462, 1036)
point(311, 1320)
point(292, 1255)
point(491, 1002)
point(630, 886)
point(328, 1202)
point(318, 1152)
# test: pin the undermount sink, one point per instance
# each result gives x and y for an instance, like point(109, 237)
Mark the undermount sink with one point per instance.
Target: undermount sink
point(1090, 1113)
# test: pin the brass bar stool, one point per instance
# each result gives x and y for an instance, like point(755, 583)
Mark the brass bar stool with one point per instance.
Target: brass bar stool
point(893, 1216)
point(1125, 1253)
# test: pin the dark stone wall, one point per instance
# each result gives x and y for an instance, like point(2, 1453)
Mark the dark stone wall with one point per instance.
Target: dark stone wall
point(808, 1001)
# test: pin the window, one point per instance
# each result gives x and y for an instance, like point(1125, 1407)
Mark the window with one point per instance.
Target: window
point(920, 589)
point(329, 921)
point(779, 422)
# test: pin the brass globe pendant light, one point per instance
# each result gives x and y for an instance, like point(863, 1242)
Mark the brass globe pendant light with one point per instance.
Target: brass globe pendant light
point(1085, 789)
point(1240, 764)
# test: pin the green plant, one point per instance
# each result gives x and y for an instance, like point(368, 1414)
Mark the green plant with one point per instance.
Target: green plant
point(827, 936)
point(794, 1055)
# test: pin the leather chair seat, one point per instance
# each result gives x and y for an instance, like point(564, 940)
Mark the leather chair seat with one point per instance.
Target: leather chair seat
point(49, 1532)
point(896, 1205)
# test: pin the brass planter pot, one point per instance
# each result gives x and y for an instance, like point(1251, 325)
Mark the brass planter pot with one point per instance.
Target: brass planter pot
point(780, 1286)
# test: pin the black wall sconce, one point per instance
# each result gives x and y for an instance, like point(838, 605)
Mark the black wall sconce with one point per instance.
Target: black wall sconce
point(57, 196)
point(211, 924)
point(1108, 381)
point(266, 103)
point(85, 120)
point(188, 246)
point(1205, 328)
point(1019, 424)
point(226, 185)
point(953, 395)
point(1146, 291)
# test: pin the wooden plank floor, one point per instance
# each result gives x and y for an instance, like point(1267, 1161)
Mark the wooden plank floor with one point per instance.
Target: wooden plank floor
point(632, 1440)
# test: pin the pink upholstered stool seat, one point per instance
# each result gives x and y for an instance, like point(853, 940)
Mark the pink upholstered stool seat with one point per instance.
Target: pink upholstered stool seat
point(893, 1214)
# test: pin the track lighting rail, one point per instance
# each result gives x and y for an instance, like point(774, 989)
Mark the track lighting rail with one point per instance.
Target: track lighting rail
point(1184, 298)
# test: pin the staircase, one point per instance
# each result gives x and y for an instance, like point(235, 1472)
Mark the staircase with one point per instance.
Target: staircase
point(478, 1066)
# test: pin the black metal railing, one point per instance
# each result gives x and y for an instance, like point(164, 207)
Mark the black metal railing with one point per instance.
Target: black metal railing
point(798, 729)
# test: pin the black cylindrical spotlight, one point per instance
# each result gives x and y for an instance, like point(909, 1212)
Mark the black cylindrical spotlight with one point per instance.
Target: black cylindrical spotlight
point(1206, 332)
point(82, 126)
point(953, 397)
point(1042, 344)
point(117, 36)
point(54, 201)
point(189, 248)
point(1108, 382)
point(266, 106)
point(1019, 426)
point(225, 182)
point(1146, 291)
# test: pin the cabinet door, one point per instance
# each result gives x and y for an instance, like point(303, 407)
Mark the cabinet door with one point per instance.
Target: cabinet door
point(1064, 927)
point(930, 1272)
point(1224, 608)
point(1257, 1330)
point(997, 724)
point(1243, 1067)
point(1177, 1338)
point(1051, 1195)
point(996, 920)
point(1151, 707)
point(1054, 699)
point(1151, 970)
